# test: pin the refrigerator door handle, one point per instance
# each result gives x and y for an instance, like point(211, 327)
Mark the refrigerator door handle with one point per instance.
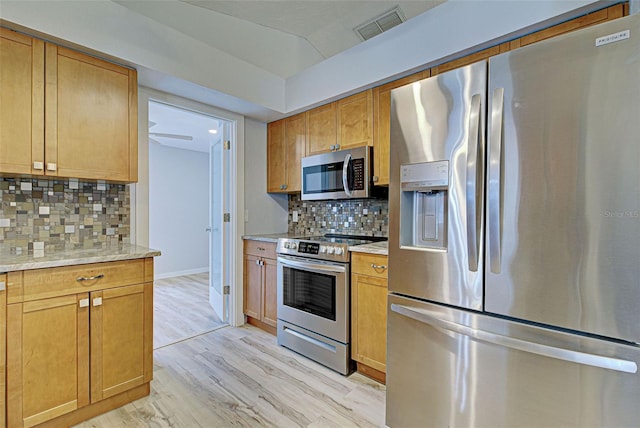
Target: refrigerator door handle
point(426, 317)
point(345, 174)
point(472, 183)
point(495, 181)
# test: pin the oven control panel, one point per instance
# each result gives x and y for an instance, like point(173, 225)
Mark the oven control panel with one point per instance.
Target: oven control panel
point(316, 250)
point(309, 248)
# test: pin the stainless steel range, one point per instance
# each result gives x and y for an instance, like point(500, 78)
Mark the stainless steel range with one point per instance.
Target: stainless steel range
point(313, 297)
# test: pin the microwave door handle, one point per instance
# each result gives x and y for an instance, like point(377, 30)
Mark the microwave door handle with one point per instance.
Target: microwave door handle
point(345, 174)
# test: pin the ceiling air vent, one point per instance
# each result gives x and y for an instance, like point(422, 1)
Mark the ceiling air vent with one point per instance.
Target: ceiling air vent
point(382, 23)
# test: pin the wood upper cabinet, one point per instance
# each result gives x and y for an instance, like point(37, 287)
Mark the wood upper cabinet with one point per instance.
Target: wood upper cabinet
point(260, 284)
point(74, 349)
point(355, 120)
point(322, 129)
point(64, 113)
point(286, 146)
point(381, 125)
point(21, 102)
point(369, 313)
point(91, 117)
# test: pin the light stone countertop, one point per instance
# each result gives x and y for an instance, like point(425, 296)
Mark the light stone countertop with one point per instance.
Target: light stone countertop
point(43, 259)
point(271, 237)
point(373, 248)
point(381, 248)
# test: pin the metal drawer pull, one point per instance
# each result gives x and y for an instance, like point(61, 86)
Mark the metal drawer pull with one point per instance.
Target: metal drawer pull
point(97, 301)
point(91, 278)
point(84, 303)
point(378, 266)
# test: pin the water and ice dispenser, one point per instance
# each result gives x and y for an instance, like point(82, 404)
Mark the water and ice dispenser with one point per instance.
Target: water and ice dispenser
point(423, 205)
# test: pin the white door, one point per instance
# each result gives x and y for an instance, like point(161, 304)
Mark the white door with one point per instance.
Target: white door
point(219, 196)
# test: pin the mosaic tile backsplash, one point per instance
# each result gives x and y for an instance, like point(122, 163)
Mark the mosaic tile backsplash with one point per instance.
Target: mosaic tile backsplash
point(39, 214)
point(367, 217)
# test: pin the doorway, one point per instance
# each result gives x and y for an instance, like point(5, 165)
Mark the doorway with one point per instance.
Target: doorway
point(188, 195)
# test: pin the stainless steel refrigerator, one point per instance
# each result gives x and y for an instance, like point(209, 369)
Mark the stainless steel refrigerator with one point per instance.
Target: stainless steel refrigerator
point(514, 238)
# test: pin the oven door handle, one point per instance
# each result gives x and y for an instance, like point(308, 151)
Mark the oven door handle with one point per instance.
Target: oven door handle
point(313, 267)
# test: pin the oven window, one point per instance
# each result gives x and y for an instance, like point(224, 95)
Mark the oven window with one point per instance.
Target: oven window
point(310, 292)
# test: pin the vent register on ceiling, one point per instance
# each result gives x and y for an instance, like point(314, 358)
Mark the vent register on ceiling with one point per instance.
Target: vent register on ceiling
point(380, 24)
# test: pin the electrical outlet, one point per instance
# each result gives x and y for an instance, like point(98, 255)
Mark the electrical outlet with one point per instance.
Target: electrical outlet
point(294, 216)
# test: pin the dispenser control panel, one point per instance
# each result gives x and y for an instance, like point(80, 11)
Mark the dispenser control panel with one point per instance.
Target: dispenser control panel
point(425, 176)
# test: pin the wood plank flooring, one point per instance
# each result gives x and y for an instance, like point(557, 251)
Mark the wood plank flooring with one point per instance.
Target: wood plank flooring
point(181, 309)
point(240, 377)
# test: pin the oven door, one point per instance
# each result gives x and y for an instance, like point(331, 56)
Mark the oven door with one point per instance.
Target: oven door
point(314, 295)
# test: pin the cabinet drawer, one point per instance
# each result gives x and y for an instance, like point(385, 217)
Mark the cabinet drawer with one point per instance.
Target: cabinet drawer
point(369, 264)
point(260, 249)
point(44, 283)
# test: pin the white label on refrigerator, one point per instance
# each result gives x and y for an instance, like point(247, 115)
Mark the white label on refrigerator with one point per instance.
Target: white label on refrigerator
point(612, 38)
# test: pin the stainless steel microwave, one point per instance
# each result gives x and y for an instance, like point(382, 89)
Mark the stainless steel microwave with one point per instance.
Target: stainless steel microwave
point(343, 174)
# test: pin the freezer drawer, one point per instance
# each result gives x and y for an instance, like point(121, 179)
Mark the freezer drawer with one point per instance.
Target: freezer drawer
point(450, 367)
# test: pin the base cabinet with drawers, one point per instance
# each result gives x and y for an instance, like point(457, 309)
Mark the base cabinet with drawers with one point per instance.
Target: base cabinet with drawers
point(80, 340)
point(369, 314)
point(260, 284)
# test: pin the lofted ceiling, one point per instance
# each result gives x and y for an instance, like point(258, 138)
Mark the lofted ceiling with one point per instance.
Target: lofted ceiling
point(182, 129)
point(282, 37)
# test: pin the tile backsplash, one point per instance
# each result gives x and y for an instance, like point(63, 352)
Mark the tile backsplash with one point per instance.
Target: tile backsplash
point(62, 214)
point(367, 217)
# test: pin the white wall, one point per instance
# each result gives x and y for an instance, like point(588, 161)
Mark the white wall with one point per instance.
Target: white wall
point(267, 213)
point(179, 210)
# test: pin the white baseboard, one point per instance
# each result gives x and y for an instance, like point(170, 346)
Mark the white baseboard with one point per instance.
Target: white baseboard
point(181, 273)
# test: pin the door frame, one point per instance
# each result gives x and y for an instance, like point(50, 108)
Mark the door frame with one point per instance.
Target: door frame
point(140, 190)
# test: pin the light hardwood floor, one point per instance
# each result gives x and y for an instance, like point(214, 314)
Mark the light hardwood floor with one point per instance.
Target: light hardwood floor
point(181, 309)
point(241, 377)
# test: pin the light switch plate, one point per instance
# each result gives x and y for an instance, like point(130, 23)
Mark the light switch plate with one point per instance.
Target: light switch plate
point(44, 210)
point(73, 183)
point(69, 229)
point(38, 245)
point(26, 186)
point(5, 222)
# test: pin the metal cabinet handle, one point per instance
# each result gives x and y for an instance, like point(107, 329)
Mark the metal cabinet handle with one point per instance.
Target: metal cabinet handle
point(97, 301)
point(337, 147)
point(83, 303)
point(332, 147)
point(383, 267)
point(473, 167)
point(91, 278)
point(38, 165)
point(426, 317)
point(52, 167)
point(495, 181)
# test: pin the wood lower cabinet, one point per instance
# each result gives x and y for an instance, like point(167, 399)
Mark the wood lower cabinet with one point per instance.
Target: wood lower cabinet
point(3, 350)
point(67, 355)
point(260, 284)
point(369, 314)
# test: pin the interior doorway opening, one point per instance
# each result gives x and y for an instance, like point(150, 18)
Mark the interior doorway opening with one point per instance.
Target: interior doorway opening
point(188, 195)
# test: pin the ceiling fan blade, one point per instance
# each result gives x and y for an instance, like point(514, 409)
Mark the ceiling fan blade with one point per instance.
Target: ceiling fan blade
point(174, 136)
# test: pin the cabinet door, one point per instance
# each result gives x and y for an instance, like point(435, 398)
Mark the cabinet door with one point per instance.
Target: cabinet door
point(121, 339)
point(322, 125)
point(48, 358)
point(355, 120)
point(381, 120)
point(3, 349)
point(276, 157)
point(91, 117)
point(252, 287)
point(295, 133)
point(270, 295)
point(369, 321)
point(21, 103)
